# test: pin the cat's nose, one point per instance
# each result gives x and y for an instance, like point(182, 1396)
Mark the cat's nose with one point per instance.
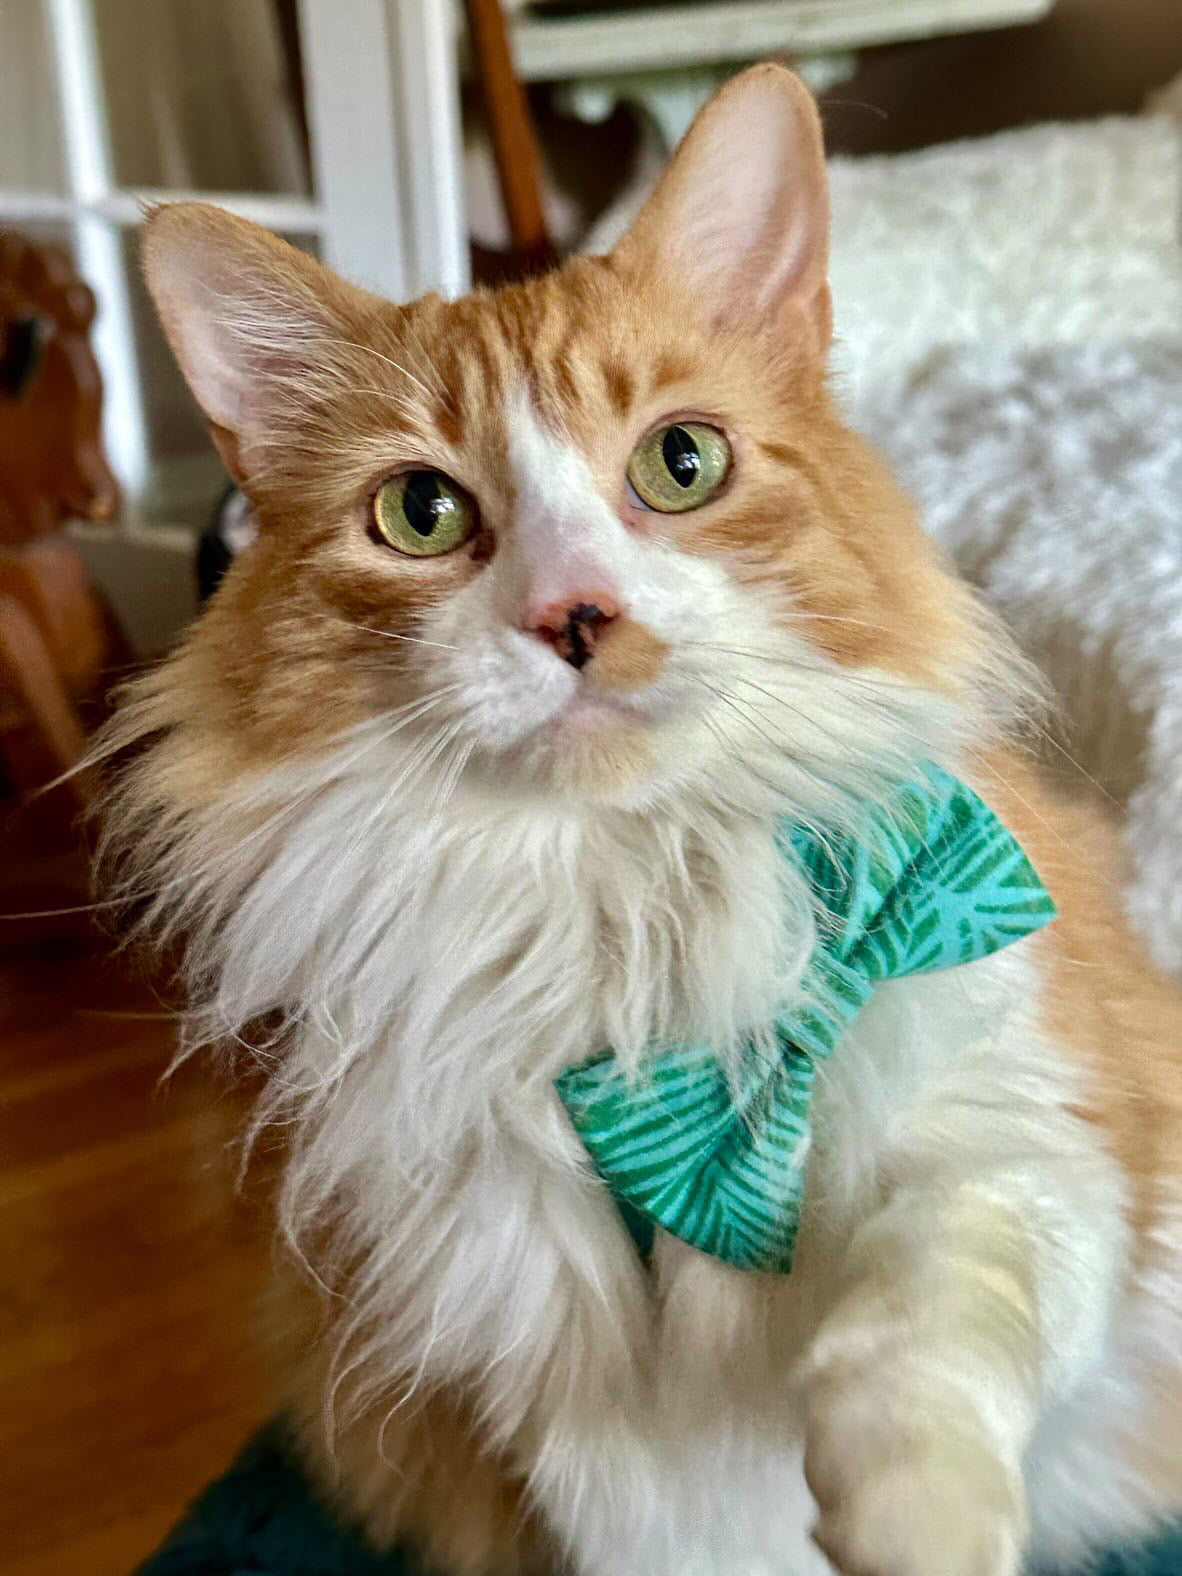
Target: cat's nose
point(573, 627)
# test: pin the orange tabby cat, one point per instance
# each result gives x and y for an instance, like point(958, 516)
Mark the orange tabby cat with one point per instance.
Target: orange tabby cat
point(564, 594)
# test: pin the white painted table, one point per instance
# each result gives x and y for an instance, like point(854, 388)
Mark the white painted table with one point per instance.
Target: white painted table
point(669, 58)
point(648, 38)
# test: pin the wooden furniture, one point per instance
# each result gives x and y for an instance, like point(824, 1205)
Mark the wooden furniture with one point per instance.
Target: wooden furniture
point(519, 168)
point(55, 632)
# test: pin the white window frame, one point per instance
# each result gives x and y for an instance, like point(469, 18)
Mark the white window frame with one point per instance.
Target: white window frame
point(389, 212)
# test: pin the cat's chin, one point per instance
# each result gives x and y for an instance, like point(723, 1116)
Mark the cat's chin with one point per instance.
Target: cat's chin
point(595, 749)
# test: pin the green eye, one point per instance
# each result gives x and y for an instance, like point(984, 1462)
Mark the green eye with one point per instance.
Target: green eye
point(679, 467)
point(423, 514)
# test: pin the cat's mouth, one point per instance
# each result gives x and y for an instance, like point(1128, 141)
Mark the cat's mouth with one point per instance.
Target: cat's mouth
point(603, 747)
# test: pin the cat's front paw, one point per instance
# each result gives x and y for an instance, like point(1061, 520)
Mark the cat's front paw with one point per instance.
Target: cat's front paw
point(927, 1502)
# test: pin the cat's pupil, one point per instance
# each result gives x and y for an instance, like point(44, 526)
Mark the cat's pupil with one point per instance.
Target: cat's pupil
point(424, 503)
point(682, 459)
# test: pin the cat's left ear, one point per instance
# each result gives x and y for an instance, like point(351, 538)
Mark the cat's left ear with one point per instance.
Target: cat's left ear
point(255, 325)
point(741, 215)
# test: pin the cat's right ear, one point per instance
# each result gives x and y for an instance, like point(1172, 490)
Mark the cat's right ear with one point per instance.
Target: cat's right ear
point(242, 311)
point(741, 215)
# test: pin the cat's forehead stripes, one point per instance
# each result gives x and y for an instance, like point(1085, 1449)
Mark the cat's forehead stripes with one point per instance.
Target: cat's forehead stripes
point(566, 337)
point(619, 384)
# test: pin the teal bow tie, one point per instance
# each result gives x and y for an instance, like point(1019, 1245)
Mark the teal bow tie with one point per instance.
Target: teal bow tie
point(719, 1160)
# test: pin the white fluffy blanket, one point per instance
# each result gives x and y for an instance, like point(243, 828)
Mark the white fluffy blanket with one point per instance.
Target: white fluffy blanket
point(1055, 479)
point(1051, 236)
point(1011, 322)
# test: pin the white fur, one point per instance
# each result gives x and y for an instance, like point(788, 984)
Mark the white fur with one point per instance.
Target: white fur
point(1082, 1493)
point(446, 971)
point(444, 936)
point(567, 541)
point(947, 1085)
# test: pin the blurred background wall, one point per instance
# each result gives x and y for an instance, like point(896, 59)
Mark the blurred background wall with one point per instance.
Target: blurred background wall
point(1088, 57)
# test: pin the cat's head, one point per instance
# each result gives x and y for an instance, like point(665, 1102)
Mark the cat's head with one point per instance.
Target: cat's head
point(600, 534)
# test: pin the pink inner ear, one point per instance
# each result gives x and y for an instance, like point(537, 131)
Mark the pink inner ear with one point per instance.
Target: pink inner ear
point(198, 292)
point(742, 213)
point(239, 307)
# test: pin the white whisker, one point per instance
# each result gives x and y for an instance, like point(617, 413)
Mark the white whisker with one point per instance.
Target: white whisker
point(414, 640)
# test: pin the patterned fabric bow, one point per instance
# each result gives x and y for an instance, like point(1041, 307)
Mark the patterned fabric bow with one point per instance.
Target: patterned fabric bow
point(720, 1161)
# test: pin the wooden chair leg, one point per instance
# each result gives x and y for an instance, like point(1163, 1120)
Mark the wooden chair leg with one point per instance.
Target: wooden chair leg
point(519, 167)
point(27, 672)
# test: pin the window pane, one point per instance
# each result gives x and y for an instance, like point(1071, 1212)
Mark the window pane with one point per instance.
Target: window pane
point(30, 132)
point(200, 94)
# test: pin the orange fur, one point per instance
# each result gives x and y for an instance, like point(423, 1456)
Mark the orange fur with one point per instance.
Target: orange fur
point(848, 550)
point(627, 655)
point(1110, 1006)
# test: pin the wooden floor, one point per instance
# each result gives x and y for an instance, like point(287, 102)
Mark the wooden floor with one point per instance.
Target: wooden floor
point(130, 1271)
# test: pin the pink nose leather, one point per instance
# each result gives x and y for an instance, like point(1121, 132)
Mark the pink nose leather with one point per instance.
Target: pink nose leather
point(573, 626)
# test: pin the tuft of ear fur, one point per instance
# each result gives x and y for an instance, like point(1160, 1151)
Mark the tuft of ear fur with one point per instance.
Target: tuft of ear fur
point(741, 216)
point(247, 316)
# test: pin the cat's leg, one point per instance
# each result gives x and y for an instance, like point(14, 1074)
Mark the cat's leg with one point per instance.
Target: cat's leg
point(716, 1503)
point(699, 1470)
point(961, 1311)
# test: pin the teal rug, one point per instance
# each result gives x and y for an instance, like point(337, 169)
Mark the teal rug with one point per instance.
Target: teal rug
point(262, 1519)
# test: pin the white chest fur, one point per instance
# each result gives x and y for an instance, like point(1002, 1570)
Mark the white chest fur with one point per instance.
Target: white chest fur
point(655, 1411)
